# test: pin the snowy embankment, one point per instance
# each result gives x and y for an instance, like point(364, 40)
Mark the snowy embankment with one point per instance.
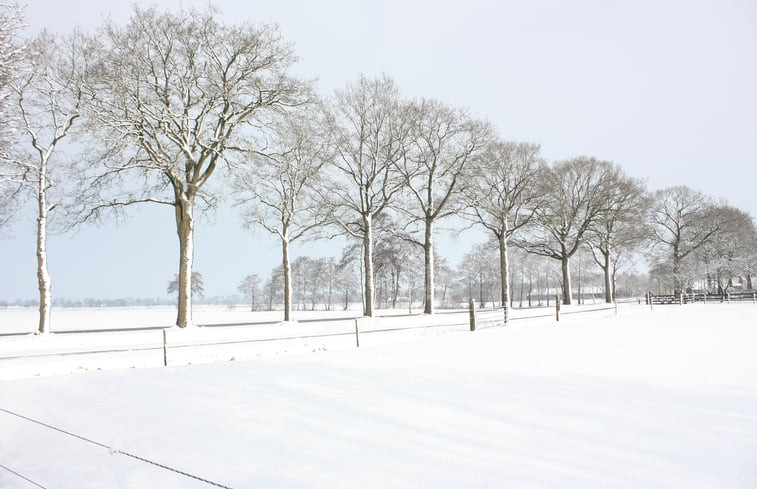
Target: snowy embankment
point(654, 399)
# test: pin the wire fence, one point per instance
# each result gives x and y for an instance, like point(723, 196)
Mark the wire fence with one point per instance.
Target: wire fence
point(111, 450)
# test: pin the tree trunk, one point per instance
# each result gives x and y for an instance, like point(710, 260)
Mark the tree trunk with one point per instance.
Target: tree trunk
point(287, 279)
point(676, 272)
point(608, 278)
point(368, 265)
point(43, 276)
point(428, 257)
point(185, 228)
point(566, 286)
point(504, 269)
point(749, 280)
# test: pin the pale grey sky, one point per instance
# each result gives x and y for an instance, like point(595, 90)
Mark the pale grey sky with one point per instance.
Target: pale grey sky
point(667, 89)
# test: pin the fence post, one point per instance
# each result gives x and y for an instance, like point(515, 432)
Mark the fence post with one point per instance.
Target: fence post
point(472, 314)
point(165, 349)
point(649, 298)
point(754, 297)
point(681, 298)
point(704, 298)
point(616, 307)
point(728, 296)
point(557, 307)
point(357, 334)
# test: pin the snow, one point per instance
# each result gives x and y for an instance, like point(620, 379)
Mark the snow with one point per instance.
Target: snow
point(663, 398)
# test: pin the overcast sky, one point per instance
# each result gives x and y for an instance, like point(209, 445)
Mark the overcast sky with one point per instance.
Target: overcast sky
point(667, 89)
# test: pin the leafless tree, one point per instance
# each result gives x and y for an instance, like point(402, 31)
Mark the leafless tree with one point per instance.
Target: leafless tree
point(620, 229)
point(176, 96)
point(504, 195)
point(277, 191)
point(443, 142)
point(727, 255)
point(575, 194)
point(477, 275)
point(369, 129)
point(12, 53)
point(249, 286)
point(198, 288)
point(47, 99)
point(682, 221)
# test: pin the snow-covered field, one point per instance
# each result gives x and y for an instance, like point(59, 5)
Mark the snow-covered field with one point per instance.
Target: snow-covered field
point(648, 399)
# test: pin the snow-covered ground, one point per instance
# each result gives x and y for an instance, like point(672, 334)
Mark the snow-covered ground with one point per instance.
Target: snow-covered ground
point(648, 399)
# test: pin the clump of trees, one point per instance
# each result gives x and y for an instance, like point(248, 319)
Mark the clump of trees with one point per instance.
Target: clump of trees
point(179, 109)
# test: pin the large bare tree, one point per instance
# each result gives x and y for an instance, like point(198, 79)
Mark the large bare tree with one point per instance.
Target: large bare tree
point(443, 141)
point(278, 190)
point(683, 220)
point(370, 130)
point(47, 98)
point(575, 194)
point(176, 97)
point(504, 195)
point(12, 52)
point(620, 229)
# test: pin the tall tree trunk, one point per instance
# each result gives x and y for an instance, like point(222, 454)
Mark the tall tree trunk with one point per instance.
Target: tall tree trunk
point(287, 279)
point(566, 285)
point(749, 280)
point(368, 265)
point(676, 272)
point(428, 257)
point(607, 272)
point(504, 269)
point(185, 228)
point(43, 276)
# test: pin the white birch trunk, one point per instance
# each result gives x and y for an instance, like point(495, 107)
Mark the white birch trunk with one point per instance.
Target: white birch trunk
point(43, 276)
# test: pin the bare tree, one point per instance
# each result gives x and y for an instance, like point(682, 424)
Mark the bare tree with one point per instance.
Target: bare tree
point(47, 98)
point(575, 194)
point(504, 195)
point(198, 288)
point(175, 98)
point(12, 54)
point(682, 221)
point(277, 191)
point(726, 256)
point(442, 144)
point(620, 229)
point(249, 286)
point(369, 129)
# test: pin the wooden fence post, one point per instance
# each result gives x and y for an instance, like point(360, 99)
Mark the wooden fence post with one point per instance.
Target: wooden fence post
point(649, 298)
point(557, 307)
point(357, 334)
point(472, 313)
point(754, 297)
point(728, 295)
point(165, 349)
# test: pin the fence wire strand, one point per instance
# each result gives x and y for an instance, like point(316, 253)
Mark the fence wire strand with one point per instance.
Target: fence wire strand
point(21, 476)
point(111, 450)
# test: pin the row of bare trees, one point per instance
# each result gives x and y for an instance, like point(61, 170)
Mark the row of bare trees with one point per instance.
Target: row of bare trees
point(162, 104)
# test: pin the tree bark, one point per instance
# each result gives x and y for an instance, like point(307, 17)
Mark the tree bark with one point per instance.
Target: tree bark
point(43, 276)
point(504, 269)
point(185, 229)
point(368, 265)
point(287, 279)
point(608, 279)
point(566, 286)
point(428, 257)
